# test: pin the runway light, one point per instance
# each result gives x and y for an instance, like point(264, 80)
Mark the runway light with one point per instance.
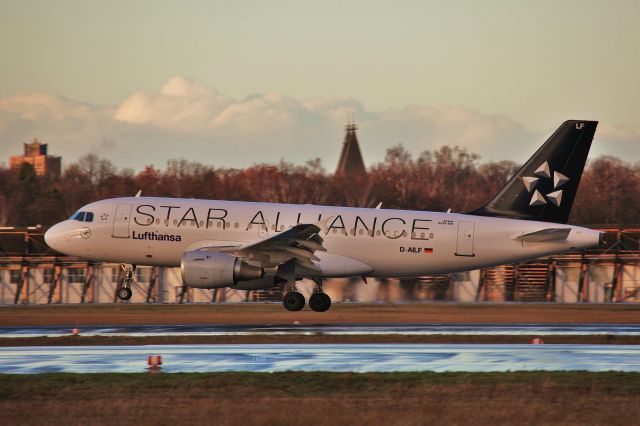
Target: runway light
point(536, 341)
point(154, 362)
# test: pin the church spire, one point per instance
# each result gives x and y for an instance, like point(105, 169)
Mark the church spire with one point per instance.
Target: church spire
point(351, 163)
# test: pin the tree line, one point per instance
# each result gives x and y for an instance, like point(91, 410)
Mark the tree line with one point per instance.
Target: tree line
point(447, 178)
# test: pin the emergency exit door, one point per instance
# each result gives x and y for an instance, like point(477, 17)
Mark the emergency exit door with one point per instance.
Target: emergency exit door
point(121, 221)
point(464, 246)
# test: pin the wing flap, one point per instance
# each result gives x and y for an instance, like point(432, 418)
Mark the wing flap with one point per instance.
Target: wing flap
point(299, 243)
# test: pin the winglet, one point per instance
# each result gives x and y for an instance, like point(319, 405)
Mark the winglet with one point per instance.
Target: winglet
point(379, 206)
point(139, 193)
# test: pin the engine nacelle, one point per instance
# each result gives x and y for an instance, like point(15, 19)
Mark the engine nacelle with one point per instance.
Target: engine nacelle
point(268, 281)
point(205, 269)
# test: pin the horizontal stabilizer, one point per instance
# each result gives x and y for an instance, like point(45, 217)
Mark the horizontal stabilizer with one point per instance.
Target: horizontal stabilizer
point(545, 235)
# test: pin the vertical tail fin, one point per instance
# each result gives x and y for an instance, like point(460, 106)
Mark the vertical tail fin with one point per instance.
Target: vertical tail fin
point(545, 187)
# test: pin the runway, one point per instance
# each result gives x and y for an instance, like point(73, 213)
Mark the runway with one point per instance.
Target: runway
point(321, 357)
point(340, 329)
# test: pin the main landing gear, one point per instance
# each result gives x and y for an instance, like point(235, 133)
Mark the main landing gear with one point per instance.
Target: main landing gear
point(319, 301)
point(124, 292)
point(293, 301)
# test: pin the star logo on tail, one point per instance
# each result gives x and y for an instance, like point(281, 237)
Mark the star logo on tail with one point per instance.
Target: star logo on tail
point(545, 172)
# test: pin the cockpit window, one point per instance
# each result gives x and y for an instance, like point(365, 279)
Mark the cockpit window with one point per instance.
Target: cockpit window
point(83, 217)
point(78, 216)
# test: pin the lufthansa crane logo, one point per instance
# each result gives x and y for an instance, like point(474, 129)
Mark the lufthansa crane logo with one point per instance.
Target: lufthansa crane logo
point(544, 172)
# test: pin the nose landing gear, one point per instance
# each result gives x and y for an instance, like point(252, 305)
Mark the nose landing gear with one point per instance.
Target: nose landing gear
point(124, 291)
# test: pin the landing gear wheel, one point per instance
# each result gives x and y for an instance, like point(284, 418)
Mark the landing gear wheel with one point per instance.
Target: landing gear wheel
point(293, 301)
point(124, 293)
point(319, 302)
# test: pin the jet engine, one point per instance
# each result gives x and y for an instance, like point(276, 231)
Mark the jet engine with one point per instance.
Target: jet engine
point(267, 281)
point(204, 269)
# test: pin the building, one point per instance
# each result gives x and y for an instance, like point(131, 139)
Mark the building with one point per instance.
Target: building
point(35, 153)
point(351, 163)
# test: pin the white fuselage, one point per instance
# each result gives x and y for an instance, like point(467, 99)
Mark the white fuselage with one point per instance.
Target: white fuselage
point(393, 243)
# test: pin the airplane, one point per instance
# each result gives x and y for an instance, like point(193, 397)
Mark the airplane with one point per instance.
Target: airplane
point(255, 245)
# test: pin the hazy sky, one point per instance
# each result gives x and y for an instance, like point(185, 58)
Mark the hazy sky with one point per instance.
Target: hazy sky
point(233, 83)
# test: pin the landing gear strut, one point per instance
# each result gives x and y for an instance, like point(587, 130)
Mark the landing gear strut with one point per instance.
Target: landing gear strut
point(319, 301)
point(293, 300)
point(124, 292)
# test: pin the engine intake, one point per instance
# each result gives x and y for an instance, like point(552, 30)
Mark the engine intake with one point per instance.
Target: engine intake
point(203, 269)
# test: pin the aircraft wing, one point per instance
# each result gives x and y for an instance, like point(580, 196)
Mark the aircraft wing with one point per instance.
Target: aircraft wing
point(545, 235)
point(299, 243)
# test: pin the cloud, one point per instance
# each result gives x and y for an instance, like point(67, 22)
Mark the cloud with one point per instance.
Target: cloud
point(188, 119)
point(182, 104)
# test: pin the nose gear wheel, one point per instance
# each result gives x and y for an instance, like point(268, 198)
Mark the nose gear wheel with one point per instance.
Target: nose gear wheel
point(124, 292)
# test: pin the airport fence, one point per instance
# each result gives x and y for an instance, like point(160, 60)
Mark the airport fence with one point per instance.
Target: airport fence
point(30, 273)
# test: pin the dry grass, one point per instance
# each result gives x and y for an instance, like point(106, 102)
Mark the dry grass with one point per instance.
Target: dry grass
point(339, 314)
point(322, 398)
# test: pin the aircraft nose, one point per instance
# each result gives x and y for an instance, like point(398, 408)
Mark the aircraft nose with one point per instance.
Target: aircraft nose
point(54, 237)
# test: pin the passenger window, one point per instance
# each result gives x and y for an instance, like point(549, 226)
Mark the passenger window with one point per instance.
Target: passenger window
point(88, 217)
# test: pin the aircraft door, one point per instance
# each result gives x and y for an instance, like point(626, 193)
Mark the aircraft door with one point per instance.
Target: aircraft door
point(464, 246)
point(121, 221)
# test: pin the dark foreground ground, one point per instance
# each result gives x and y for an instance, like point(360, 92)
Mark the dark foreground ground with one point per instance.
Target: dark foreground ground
point(340, 313)
point(520, 398)
point(573, 398)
